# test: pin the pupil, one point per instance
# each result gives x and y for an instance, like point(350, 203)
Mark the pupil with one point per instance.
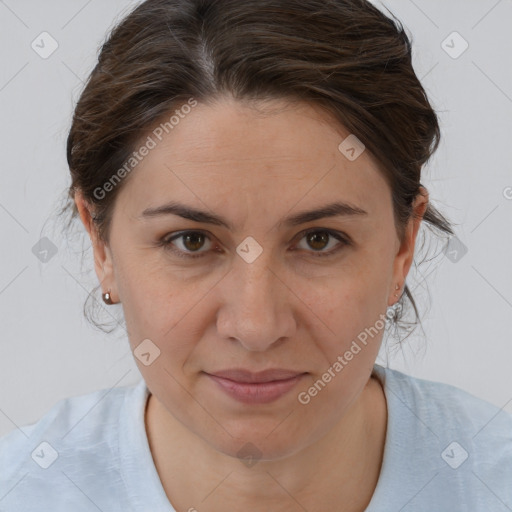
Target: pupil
point(194, 237)
point(320, 235)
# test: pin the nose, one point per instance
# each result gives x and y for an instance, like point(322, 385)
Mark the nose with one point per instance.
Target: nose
point(257, 306)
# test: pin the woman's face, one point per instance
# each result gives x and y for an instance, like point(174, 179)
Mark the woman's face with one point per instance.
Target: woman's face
point(254, 291)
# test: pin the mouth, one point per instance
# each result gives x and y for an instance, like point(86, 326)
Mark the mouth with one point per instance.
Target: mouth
point(254, 388)
point(246, 376)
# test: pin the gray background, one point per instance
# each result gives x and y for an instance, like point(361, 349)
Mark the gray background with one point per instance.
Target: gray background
point(48, 351)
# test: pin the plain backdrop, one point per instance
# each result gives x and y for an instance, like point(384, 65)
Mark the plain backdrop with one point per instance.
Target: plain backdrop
point(49, 351)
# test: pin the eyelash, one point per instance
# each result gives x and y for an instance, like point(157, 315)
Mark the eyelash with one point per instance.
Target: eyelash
point(166, 242)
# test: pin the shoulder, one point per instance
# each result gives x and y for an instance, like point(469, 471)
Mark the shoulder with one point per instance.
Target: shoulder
point(87, 416)
point(441, 434)
point(77, 436)
point(448, 406)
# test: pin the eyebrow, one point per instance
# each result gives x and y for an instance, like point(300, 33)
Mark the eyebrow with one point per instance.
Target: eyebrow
point(187, 212)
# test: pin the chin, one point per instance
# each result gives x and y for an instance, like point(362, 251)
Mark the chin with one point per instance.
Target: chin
point(251, 445)
point(253, 451)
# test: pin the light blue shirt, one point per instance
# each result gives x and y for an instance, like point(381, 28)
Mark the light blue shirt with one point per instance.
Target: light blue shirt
point(445, 450)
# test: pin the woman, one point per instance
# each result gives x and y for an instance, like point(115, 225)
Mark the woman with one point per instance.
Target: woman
point(249, 176)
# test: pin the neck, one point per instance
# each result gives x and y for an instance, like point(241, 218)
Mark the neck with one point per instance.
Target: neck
point(342, 467)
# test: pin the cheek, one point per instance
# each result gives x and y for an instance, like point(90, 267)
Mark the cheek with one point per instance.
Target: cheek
point(160, 306)
point(352, 310)
point(146, 296)
point(356, 322)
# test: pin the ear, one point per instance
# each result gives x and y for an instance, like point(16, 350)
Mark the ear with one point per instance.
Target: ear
point(103, 263)
point(405, 255)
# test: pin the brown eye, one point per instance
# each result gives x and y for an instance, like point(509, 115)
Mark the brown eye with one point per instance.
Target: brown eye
point(318, 240)
point(193, 241)
point(187, 244)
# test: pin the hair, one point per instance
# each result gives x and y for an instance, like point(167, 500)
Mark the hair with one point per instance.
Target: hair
point(344, 57)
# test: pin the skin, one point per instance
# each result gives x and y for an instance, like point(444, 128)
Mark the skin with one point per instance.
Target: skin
point(287, 309)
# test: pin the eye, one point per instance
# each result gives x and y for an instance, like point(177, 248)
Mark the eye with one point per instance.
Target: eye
point(319, 239)
point(190, 241)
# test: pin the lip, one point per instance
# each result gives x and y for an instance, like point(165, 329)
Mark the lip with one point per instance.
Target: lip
point(253, 388)
point(242, 375)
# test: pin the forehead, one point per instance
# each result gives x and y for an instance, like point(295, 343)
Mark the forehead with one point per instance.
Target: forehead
point(266, 154)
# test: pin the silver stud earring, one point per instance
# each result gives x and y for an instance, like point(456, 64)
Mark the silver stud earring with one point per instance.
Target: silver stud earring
point(107, 298)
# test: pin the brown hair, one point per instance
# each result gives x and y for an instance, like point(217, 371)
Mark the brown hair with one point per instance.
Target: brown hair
point(343, 56)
